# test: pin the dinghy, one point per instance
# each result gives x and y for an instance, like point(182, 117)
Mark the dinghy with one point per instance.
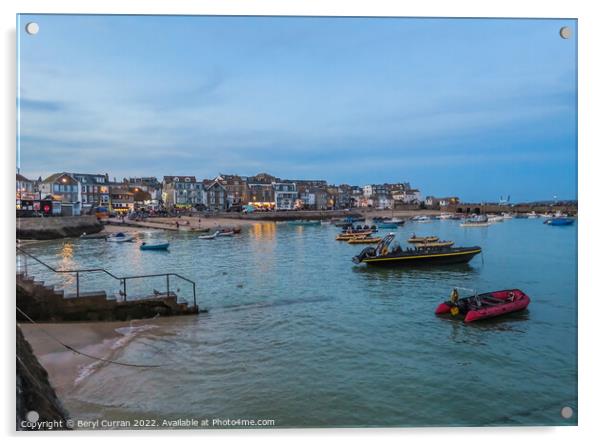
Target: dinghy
point(120, 237)
point(487, 305)
point(157, 246)
point(559, 221)
point(209, 236)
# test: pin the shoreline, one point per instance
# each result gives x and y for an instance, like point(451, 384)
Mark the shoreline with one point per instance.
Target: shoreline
point(103, 339)
point(205, 222)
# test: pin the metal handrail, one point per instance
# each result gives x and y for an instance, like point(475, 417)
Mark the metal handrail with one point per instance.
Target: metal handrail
point(122, 280)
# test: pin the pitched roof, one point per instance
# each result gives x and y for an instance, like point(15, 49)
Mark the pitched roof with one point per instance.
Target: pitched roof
point(54, 177)
point(170, 179)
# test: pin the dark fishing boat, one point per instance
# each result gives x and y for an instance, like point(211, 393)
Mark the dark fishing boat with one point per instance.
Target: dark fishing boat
point(384, 255)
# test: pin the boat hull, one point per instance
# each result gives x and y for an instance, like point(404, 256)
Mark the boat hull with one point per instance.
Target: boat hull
point(423, 239)
point(163, 246)
point(559, 222)
point(422, 258)
point(388, 226)
point(366, 240)
point(208, 236)
point(348, 236)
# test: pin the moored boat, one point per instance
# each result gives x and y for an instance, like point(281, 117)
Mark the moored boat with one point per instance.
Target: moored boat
point(301, 222)
point(495, 218)
point(481, 306)
point(559, 221)
point(156, 246)
point(120, 237)
point(388, 225)
point(364, 240)
point(225, 232)
point(350, 235)
point(434, 244)
point(422, 239)
point(212, 236)
point(476, 221)
point(383, 255)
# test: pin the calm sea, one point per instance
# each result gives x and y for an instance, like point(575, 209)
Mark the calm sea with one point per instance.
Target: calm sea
point(299, 334)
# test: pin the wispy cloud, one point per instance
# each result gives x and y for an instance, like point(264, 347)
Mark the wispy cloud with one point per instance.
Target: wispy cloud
point(40, 105)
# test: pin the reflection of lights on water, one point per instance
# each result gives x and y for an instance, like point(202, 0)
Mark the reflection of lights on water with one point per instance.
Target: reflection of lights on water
point(67, 262)
point(264, 235)
point(67, 250)
point(263, 231)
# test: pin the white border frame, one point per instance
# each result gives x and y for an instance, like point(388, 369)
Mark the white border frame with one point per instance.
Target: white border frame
point(590, 77)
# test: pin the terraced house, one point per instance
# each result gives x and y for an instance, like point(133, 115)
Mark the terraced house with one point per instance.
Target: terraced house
point(94, 189)
point(183, 192)
point(65, 188)
point(216, 195)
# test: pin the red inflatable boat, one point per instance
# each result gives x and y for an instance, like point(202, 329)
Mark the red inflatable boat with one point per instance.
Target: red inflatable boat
point(487, 305)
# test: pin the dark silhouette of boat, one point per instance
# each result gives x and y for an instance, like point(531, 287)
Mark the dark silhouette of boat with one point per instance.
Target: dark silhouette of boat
point(384, 254)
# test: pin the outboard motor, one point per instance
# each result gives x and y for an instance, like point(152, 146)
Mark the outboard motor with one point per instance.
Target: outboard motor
point(367, 252)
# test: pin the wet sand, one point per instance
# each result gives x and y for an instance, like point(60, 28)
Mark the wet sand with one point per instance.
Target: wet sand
point(181, 224)
point(64, 366)
point(106, 340)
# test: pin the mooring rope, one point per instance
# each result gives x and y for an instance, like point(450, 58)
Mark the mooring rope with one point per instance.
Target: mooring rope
point(72, 349)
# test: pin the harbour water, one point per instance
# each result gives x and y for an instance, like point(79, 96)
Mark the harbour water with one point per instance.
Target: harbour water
point(299, 334)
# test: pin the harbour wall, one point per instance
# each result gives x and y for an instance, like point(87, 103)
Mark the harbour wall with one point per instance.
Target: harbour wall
point(516, 208)
point(44, 228)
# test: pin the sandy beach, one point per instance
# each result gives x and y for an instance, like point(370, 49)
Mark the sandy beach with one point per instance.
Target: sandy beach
point(182, 224)
point(104, 340)
point(203, 223)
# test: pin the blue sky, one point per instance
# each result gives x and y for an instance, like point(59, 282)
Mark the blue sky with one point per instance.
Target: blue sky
point(473, 108)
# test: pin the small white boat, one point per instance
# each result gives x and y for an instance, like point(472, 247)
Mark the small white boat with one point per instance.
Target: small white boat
point(209, 236)
point(532, 215)
point(445, 216)
point(495, 218)
point(229, 233)
point(475, 224)
point(120, 238)
point(476, 221)
point(507, 215)
point(421, 219)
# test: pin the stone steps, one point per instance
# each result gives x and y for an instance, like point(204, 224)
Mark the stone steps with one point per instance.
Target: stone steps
point(45, 303)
